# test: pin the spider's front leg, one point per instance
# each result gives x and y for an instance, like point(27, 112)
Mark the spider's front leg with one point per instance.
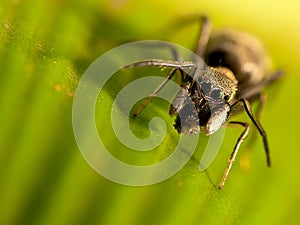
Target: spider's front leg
point(154, 93)
point(175, 67)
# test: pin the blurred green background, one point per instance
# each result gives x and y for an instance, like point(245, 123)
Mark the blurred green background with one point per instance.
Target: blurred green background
point(45, 47)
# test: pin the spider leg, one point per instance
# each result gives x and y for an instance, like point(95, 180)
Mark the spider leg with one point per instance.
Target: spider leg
point(235, 150)
point(254, 92)
point(176, 66)
point(261, 102)
point(259, 128)
point(150, 97)
point(257, 125)
point(161, 45)
point(275, 76)
point(161, 63)
point(184, 68)
point(203, 36)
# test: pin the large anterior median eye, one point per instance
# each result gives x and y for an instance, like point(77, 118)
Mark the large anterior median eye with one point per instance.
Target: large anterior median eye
point(216, 94)
point(206, 87)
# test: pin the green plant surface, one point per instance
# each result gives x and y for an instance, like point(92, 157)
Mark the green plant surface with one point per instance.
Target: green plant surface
point(45, 47)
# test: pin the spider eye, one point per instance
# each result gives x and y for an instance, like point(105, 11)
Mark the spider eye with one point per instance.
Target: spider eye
point(226, 97)
point(216, 94)
point(206, 87)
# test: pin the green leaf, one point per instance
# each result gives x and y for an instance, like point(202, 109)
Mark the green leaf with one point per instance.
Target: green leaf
point(45, 47)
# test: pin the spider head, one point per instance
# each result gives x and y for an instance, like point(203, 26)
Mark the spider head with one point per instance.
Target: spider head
point(203, 102)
